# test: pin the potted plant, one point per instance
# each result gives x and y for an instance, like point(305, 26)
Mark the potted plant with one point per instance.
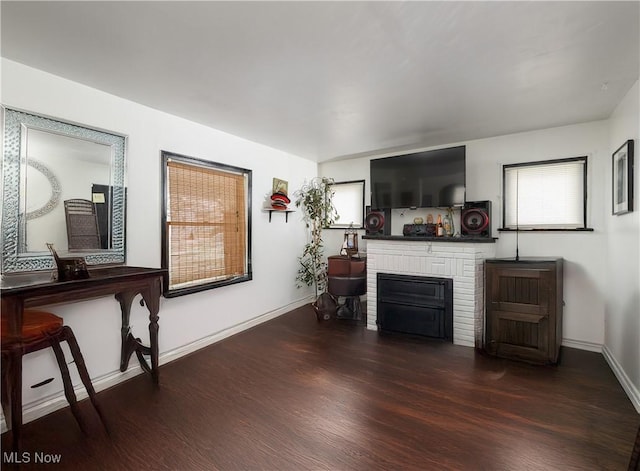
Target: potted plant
point(315, 201)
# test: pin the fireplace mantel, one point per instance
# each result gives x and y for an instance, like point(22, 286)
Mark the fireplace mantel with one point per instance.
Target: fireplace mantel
point(452, 240)
point(462, 262)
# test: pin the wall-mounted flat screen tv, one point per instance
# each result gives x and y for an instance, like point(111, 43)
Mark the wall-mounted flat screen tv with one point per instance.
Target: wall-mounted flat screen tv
point(429, 179)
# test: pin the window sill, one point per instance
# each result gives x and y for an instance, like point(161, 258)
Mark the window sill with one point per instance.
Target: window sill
point(582, 229)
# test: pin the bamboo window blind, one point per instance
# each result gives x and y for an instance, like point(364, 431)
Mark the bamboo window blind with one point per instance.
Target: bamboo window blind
point(206, 225)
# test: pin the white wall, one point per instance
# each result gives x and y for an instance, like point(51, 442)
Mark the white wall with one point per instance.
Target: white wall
point(187, 319)
point(622, 294)
point(584, 252)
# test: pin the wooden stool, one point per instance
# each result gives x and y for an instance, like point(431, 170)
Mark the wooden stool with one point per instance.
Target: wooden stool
point(39, 330)
point(347, 277)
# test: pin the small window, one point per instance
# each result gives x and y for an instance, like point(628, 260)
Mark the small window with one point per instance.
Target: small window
point(348, 199)
point(545, 195)
point(206, 233)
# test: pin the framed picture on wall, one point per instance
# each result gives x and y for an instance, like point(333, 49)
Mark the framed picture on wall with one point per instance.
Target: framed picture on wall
point(622, 171)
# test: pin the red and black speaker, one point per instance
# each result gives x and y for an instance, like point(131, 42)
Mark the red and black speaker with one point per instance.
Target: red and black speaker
point(378, 222)
point(475, 219)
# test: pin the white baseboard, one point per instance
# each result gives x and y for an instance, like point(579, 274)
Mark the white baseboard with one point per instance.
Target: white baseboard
point(211, 339)
point(631, 389)
point(582, 345)
point(42, 407)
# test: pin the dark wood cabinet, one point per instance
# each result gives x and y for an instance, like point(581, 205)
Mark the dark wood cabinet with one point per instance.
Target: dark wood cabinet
point(524, 308)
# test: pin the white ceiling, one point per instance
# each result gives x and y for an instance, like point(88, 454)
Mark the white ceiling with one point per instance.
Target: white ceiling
point(326, 80)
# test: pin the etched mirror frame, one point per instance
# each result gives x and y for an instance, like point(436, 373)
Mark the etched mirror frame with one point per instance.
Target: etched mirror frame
point(16, 123)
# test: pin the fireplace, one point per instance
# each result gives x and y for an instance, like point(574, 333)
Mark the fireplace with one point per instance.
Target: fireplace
point(458, 259)
point(415, 305)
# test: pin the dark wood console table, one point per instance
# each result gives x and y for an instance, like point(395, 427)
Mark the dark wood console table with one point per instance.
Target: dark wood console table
point(27, 290)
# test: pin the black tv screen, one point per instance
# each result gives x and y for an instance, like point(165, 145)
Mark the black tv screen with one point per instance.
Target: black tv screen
point(429, 179)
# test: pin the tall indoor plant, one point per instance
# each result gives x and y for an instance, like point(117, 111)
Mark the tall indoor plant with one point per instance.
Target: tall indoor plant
point(315, 199)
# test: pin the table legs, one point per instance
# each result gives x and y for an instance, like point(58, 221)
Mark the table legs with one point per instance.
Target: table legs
point(131, 344)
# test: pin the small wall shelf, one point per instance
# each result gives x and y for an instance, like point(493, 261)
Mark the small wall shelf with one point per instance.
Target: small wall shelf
point(285, 211)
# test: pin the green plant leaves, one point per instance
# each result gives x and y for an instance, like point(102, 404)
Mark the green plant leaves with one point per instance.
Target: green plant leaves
point(315, 201)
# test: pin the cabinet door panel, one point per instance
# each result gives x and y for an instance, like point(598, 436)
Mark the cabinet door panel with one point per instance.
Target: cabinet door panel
point(518, 312)
point(519, 329)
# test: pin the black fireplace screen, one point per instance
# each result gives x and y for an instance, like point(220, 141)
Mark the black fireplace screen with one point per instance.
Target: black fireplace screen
point(415, 305)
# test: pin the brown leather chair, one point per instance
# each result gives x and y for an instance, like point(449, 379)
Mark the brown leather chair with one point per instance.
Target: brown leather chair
point(40, 330)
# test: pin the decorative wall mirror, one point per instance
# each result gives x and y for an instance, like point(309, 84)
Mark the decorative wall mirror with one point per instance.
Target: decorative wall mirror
point(46, 163)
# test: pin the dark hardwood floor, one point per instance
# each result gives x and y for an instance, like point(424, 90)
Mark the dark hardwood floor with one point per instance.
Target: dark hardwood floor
point(293, 394)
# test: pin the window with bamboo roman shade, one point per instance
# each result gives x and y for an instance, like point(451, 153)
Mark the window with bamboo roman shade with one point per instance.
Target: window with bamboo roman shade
point(207, 224)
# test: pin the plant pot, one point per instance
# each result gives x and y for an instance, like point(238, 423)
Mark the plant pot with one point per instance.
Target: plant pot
point(325, 307)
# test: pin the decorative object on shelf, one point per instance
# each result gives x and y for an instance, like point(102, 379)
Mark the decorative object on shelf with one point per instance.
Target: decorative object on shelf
point(350, 244)
point(622, 189)
point(418, 220)
point(69, 268)
point(439, 227)
point(429, 218)
point(280, 186)
point(430, 230)
point(447, 226)
point(315, 201)
point(279, 198)
point(452, 228)
point(280, 201)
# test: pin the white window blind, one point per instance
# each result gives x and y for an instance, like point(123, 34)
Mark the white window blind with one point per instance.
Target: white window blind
point(545, 195)
point(348, 199)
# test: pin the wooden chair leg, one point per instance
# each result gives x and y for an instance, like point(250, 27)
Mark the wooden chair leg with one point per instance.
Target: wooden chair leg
point(634, 462)
point(13, 372)
point(66, 382)
point(6, 404)
point(82, 370)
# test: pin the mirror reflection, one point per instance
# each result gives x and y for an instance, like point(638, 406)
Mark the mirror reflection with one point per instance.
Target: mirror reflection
point(57, 169)
point(64, 184)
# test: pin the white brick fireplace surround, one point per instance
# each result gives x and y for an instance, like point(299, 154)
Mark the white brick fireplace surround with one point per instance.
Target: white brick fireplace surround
point(461, 261)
